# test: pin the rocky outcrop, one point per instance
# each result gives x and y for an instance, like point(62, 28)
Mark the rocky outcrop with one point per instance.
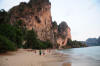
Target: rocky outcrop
point(37, 15)
point(62, 34)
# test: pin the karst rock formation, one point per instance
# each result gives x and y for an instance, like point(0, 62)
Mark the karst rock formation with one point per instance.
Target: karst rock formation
point(36, 14)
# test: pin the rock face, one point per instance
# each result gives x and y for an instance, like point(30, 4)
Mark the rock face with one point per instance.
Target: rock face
point(63, 34)
point(37, 15)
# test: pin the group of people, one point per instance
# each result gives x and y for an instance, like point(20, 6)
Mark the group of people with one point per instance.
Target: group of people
point(42, 52)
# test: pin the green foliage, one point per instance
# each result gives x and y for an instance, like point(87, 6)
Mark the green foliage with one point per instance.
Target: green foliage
point(34, 43)
point(21, 8)
point(46, 44)
point(12, 33)
point(4, 17)
point(11, 36)
point(30, 39)
point(54, 25)
point(6, 44)
point(19, 23)
point(74, 44)
point(69, 42)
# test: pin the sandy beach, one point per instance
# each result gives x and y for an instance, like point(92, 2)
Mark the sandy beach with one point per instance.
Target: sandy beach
point(24, 57)
point(28, 57)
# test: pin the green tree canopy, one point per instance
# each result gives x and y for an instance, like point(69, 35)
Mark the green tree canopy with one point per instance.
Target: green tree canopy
point(34, 43)
point(74, 44)
point(30, 39)
point(4, 17)
point(6, 44)
point(12, 33)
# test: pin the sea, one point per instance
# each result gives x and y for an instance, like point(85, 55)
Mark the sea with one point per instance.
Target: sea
point(88, 56)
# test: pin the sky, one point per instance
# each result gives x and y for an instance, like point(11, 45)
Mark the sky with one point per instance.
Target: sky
point(82, 16)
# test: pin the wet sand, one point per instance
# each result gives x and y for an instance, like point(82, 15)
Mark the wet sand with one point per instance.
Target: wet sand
point(81, 60)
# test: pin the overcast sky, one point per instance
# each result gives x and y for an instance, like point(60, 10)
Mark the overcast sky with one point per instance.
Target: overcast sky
point(82, 16)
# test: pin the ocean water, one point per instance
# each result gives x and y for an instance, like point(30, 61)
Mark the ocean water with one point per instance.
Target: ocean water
point(88, 56)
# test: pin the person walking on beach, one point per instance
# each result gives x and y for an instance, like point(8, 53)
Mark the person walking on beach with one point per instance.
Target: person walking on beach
point(40, 52)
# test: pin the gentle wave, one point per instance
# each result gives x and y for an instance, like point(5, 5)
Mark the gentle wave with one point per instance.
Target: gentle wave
point(89, 55)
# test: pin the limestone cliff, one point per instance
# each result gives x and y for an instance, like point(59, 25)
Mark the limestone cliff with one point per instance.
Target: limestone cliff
point(36, 14)
point(64, 34)
point(61, 33)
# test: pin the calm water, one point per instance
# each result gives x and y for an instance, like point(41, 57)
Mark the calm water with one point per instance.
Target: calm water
point(89, 56)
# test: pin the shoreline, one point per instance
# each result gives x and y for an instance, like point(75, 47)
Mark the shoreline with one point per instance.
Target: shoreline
point(23, 57)
point(27, 57)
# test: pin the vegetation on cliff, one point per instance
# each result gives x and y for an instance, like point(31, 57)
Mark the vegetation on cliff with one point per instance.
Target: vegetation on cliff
point(29, 25)
point(4, 17)
point(12, 33)
point(31, 41)
point(54, 25)
point(13, 36)
point(74, 44)
point(6, 44)
point(36, 15)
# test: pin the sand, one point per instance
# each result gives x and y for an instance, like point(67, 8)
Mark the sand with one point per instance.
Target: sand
point(24, 57)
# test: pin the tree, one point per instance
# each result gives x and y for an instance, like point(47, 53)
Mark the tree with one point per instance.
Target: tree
point(31, 40)
point(74, 44)
point(46, 44)
point(12, 33)
point(4, 17)
point(6, 44)
point(54, 25)
point(69, 42)
point(34, 43)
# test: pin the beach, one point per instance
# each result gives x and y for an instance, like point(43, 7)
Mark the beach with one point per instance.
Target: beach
point(24, 57)
point(65, 57)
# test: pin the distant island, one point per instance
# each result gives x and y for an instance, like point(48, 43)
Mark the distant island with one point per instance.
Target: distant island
point(30, 25)
point(92, 41)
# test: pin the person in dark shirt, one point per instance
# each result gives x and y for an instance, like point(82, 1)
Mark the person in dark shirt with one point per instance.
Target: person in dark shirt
point(40, 52)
